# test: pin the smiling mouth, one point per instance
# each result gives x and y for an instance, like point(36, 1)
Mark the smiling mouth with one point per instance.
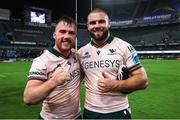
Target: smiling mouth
point(99, 30)
point(66, 41)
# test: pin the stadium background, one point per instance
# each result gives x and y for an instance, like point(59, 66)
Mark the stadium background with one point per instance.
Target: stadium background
point(151, 26)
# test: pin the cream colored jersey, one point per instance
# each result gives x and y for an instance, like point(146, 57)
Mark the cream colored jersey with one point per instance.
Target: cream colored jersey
point(107, 59)
point(63, 101)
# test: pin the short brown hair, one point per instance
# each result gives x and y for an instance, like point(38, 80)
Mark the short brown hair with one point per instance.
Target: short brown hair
point(96, 10)
point(68, 20)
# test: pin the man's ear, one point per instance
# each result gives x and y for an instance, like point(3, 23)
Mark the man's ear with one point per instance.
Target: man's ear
point(87, 25)
point(54, 35)
point(109, 24)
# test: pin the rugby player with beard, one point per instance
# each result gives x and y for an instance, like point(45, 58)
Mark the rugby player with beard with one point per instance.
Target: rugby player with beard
point(54, 76)
point(106, 97)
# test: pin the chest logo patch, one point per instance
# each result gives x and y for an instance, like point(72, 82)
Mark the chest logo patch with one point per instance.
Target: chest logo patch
point(98, 52)
point(112, 52)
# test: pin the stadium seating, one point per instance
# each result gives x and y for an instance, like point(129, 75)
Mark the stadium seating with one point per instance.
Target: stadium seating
point(83, 37)
point(143, 24)
point(18, 40)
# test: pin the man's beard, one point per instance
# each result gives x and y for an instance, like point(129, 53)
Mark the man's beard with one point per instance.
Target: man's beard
point(62, 43)
point(100, 38)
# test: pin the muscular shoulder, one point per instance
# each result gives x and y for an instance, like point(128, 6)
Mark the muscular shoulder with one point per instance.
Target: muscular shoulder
point(85, 48)
point(42, 58)
point(120, 42)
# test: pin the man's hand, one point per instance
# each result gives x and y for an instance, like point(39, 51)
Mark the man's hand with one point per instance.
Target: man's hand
point(60, 76)
point(105, 84)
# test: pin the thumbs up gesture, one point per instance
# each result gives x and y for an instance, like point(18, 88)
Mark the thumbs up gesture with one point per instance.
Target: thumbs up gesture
point(105, 84)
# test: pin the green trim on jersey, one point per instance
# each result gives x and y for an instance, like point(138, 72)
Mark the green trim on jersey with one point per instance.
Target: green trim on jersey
point(110, 39)
point(56, 53)
point(134, 68)
point(53, 51)
point(36, 78)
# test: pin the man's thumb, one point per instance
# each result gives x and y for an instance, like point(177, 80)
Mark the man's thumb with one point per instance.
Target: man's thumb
point(105, 75)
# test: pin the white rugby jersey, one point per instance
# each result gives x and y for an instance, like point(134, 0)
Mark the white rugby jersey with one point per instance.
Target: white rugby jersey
point(107, 59)
point(63, 101)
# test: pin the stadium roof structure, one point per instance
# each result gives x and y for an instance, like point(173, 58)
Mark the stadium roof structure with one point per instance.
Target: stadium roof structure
point(117, 9)
point(59, 7)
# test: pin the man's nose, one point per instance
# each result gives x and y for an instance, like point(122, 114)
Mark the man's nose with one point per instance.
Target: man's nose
point(97, 24)
point(67, 35)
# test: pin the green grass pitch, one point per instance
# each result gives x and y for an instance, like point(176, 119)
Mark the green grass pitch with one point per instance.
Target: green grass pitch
point(160, 100)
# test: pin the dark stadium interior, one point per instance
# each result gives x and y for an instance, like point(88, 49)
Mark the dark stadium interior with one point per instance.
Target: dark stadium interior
point(151, 26)
point(59, 7)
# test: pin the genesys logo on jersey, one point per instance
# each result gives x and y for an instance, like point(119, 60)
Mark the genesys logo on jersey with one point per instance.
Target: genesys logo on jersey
point(112, 52)
point(101, 64)
point(86, 55)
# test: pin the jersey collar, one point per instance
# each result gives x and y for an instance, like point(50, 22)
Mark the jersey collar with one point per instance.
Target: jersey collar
point(108, 41)
point(56, 53)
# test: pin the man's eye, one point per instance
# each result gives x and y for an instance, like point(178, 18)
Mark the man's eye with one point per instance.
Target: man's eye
point(71, 32)
point(102, 21)
point(62, 31)
point(92, 23)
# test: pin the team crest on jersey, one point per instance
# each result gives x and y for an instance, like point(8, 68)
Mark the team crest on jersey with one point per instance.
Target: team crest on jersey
point(112, 52)
point(86, 55)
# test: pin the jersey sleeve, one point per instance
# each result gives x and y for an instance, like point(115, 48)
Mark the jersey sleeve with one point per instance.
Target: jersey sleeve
point(38, 70)
point(131, 58)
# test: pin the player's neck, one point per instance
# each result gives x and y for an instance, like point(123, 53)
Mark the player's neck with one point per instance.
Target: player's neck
point(101, 43)
point(64, 54)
